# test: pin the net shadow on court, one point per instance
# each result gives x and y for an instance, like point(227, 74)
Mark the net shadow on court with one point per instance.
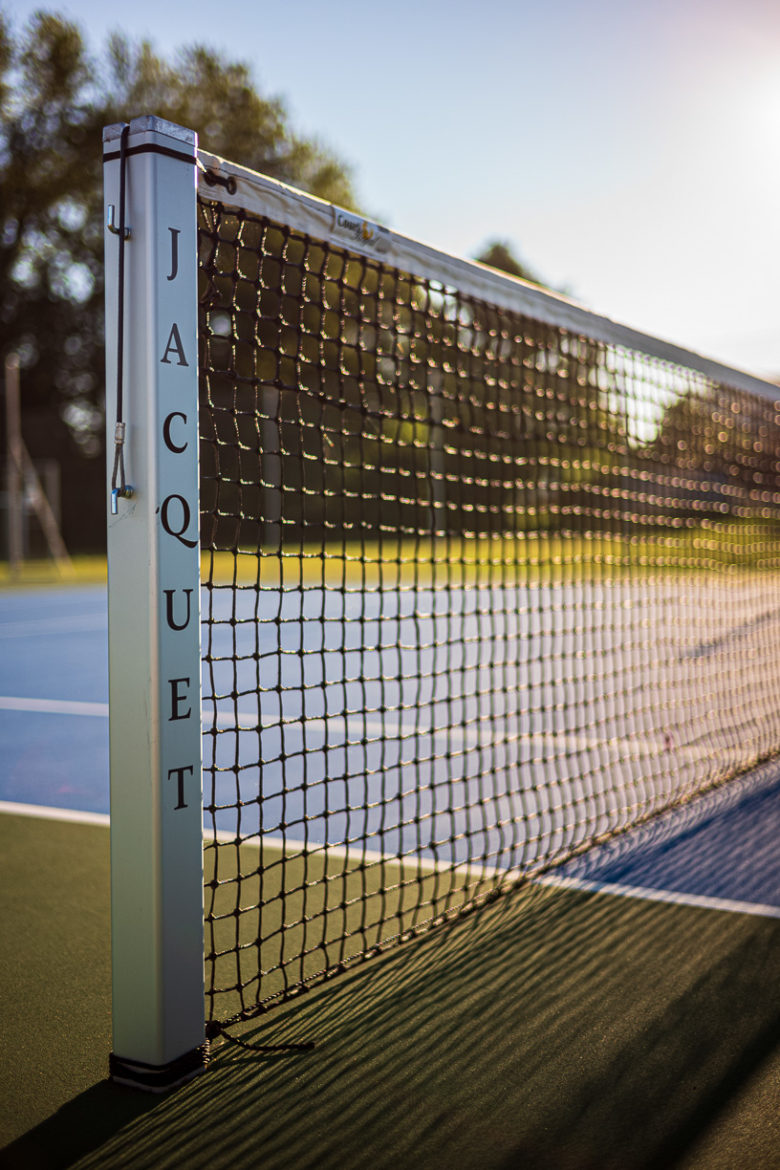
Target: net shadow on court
point(551, 1028)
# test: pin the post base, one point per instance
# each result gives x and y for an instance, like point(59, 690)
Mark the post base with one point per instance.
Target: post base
point(158, 1078)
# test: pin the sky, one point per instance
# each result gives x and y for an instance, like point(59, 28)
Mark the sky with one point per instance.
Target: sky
point(629, 150)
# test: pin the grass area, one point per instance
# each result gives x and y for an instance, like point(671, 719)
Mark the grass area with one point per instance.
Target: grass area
point(81, 570)
point(463, 561)
point(530, 558)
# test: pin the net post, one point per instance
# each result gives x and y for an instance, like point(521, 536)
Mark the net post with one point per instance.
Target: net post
point(154, 605)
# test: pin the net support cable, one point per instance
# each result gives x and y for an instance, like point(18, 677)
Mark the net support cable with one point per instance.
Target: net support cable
point(119, 487)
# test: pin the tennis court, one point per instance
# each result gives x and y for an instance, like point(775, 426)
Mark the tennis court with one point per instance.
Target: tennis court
point(461, 600)
point(54, 698)
point(609, 678)
point(558, 1026)
point(554, 1028)
point(54, 709)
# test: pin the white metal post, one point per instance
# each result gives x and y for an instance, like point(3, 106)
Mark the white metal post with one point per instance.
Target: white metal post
point(154, 610)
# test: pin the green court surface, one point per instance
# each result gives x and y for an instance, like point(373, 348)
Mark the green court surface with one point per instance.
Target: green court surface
point(552, 1028)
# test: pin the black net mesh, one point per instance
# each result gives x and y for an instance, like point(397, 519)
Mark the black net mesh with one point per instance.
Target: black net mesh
point(477, 593)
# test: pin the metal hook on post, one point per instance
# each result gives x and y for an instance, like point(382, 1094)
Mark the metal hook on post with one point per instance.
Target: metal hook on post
point(125, 492)
point(113, 226)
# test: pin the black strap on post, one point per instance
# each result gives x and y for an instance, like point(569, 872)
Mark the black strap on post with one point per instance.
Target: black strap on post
point(119, 486)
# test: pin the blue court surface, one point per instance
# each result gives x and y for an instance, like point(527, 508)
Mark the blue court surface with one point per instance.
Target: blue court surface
point(54, 753)
point(54, 698)
point(721, 850)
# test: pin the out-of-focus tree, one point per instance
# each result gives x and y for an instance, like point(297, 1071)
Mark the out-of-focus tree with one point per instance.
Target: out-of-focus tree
point(55, 98)
point(498, 254)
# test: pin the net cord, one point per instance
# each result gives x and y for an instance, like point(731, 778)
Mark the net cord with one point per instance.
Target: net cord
point(246, 190)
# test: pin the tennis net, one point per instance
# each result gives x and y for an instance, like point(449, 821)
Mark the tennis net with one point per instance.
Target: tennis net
point(486, 579)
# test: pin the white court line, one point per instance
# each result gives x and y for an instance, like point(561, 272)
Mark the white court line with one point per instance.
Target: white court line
point(52, 706)
point(54, 814)
point(672, 897)
point(642, 893)
point(346, 853)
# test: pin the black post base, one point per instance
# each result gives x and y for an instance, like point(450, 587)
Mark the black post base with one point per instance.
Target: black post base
point(158, 1078)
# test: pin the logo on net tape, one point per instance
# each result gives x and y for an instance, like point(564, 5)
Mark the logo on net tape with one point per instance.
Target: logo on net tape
point(360, 233)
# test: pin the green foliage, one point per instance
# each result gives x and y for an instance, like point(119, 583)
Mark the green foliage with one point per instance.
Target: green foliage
point(55, 98)
point(498, 254)
point(412, 409)
point(218, 98)
point(50, 238)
